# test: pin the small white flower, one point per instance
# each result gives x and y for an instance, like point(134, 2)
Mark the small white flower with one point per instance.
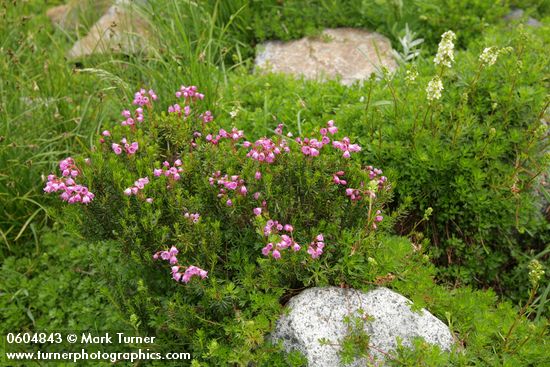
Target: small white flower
point(411, 76)
point(434, 88)
point(234, 113)
point(445, 50)
point(490, 54)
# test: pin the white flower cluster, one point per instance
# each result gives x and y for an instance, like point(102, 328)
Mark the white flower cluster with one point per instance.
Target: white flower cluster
point(412, 74)
point(490, 54)
point(434, 88)
point(445, 50)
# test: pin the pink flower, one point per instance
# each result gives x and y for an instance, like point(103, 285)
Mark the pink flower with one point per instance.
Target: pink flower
point(206, 117)
point(331, 128)
point(141, 98)
point(265, 150)
point(315, 248)
point(346, 147)
point(116, 148)
point(190, 93)
point(132, 148)
point(193, 217)
point(257, 211)
point(71, 192)
point(106, 133)
point(138, 185)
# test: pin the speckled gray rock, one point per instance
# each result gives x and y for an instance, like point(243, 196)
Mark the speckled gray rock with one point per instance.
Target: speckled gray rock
point(119, 30)
point(353, 54)
point(69, 16)
point(518, 14)
point(318, 313)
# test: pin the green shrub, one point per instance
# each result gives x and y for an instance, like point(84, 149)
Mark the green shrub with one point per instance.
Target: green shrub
point(461, 157)
point(240, 297)
point(224, 318)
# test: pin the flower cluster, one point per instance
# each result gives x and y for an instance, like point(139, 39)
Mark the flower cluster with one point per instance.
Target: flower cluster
point(190, 271)
point(354, 194)
point(176, 109)
point(490, 54)
point(346, 147)
point(377, 182)
point(536, 272)
point(337, 178)
point(445, 50)
point(411, 75)
point(169, 255)
point(71, 192)
point(285, 241)
point(228, 183)
point(375, 173)
point(234, 134)
point(68, 167)
point(193, 217)
point(144, 98)
point(265, 149)
point(130, 119)
point(310, 147)
point(434, 88)
point(330, 128)
point(129, 148)
point(315, 248)
point(279, 129)
point(189, 94)
point(138, 185)
point(377, 219)
point(206, 117)
point(172, 172)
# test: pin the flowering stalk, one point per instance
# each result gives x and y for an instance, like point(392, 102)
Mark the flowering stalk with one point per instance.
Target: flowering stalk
point(71, 192)
point(189, 272)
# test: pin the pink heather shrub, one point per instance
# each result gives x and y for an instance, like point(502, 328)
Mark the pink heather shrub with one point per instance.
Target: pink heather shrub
point(311, 182)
